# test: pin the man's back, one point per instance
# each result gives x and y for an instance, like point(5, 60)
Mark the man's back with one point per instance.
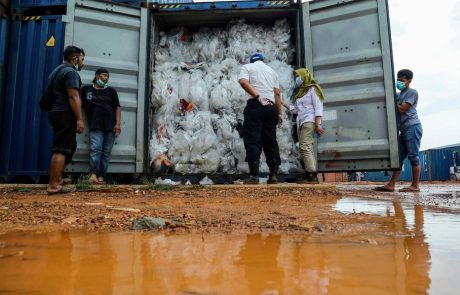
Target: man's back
point(66, 78)
point(263, 78)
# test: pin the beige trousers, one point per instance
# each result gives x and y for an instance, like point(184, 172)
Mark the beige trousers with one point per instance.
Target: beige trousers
point(306, 146)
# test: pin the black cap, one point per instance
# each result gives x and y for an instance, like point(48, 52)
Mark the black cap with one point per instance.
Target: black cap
point(102, 71)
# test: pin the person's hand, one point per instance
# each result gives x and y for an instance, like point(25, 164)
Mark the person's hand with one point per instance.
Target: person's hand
point(80, 126)
point(319, 130)
point(117, 129)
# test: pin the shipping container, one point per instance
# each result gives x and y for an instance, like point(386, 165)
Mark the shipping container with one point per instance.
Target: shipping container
point(347, 44)
point(35, 50)
point(434, 166)
point(4, 37)
point(20, 6)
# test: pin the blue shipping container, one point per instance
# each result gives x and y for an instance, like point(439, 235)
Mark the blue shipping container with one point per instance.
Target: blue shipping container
point(4, 38)
point(434, 166)
point(440, 161)
point(21, 5)
point(36, 48)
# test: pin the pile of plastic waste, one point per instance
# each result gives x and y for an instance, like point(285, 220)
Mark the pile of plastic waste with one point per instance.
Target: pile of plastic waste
point(197, 102)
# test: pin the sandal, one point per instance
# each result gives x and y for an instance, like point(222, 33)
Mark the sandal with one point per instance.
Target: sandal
point(384, 189)
point(62, 190)
point(409, 189)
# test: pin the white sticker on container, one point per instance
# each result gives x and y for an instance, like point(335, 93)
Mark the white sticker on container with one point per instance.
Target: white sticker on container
point(330, 115)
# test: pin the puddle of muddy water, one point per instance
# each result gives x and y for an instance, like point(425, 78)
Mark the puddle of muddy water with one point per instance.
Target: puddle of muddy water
point(434, 235)
point(417, 254)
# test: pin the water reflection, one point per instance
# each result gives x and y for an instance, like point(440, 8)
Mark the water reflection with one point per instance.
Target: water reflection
point(142, 263)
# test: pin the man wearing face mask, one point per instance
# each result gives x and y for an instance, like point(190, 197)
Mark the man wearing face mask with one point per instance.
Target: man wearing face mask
point(65, 114)
point(410, 132)
point(102, 109)
point(308, 106)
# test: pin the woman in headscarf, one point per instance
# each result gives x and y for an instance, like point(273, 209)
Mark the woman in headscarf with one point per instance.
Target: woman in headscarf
point(308, 105)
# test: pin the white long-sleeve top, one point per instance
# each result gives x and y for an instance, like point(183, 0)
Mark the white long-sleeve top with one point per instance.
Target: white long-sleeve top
point(307, 108)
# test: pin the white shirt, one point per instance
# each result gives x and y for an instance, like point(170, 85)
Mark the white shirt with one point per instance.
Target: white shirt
point(307, 108)
point(262, 78)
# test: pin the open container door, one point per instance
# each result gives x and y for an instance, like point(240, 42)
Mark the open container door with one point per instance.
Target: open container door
point(348, 46)
point(113, 36)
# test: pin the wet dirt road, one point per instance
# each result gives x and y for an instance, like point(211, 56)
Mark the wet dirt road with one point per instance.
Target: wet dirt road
point(258, 240)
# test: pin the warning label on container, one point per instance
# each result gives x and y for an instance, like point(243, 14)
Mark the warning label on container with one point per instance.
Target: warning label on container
point(51, 42)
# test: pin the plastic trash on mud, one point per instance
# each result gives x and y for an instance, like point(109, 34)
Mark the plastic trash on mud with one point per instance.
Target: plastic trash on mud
point(197, 102)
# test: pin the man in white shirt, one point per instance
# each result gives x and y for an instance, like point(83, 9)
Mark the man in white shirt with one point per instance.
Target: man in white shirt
point(261, 115)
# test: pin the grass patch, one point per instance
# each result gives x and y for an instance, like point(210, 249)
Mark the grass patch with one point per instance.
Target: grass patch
point(158, 187)
point(83, 183)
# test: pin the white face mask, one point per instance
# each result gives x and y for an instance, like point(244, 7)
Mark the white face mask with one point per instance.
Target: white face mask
point(298, 81)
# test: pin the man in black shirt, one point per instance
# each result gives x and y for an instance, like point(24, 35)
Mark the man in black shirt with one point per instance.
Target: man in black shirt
point(102, 109)
point(65, 114)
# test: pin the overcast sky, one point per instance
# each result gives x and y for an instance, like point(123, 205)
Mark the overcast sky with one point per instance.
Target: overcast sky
point(426, 39)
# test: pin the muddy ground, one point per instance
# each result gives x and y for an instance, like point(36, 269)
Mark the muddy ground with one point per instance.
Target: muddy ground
point(234, 208)
point(223, 209)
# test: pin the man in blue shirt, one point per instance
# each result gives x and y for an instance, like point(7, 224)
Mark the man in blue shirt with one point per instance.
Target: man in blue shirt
point(410, 132)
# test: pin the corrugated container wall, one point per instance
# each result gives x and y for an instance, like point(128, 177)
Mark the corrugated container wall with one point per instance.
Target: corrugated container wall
point(21, 5)
point(25, 127)
point(440, 161)
point(4, 37)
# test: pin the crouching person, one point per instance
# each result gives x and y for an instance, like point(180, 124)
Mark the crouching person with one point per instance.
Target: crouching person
point(102, 109)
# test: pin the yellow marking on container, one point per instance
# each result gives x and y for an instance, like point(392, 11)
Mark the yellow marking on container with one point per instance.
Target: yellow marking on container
point(51, 42)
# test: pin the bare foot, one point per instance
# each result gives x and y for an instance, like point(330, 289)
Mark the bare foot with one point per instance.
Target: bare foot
point(93, 179)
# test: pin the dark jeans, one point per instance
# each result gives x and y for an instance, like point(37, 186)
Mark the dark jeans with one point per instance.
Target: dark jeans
point(259, 133)
point(410, 139)
point(64, 127)
point(100, 148)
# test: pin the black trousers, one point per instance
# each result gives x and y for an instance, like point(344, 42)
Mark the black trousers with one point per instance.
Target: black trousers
point(259, 133)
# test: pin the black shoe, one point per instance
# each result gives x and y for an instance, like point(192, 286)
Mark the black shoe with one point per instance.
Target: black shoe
point(311, 178)
point(273, 177)
point(251, 180)
point(253, 173)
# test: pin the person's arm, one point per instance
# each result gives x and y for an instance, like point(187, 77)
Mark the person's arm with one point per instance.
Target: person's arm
point(248, 87)
point(404, 107)
point(278, 101)
point(318, 106)
point(75, 104)
point(244, 82)
point(409, 100)
point(117, 128)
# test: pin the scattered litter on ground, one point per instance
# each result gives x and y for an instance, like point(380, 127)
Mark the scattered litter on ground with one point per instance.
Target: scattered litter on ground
point(166, 181)
point(69, 220)
point(124, 209)
point(206, 181)
point(94, 204)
